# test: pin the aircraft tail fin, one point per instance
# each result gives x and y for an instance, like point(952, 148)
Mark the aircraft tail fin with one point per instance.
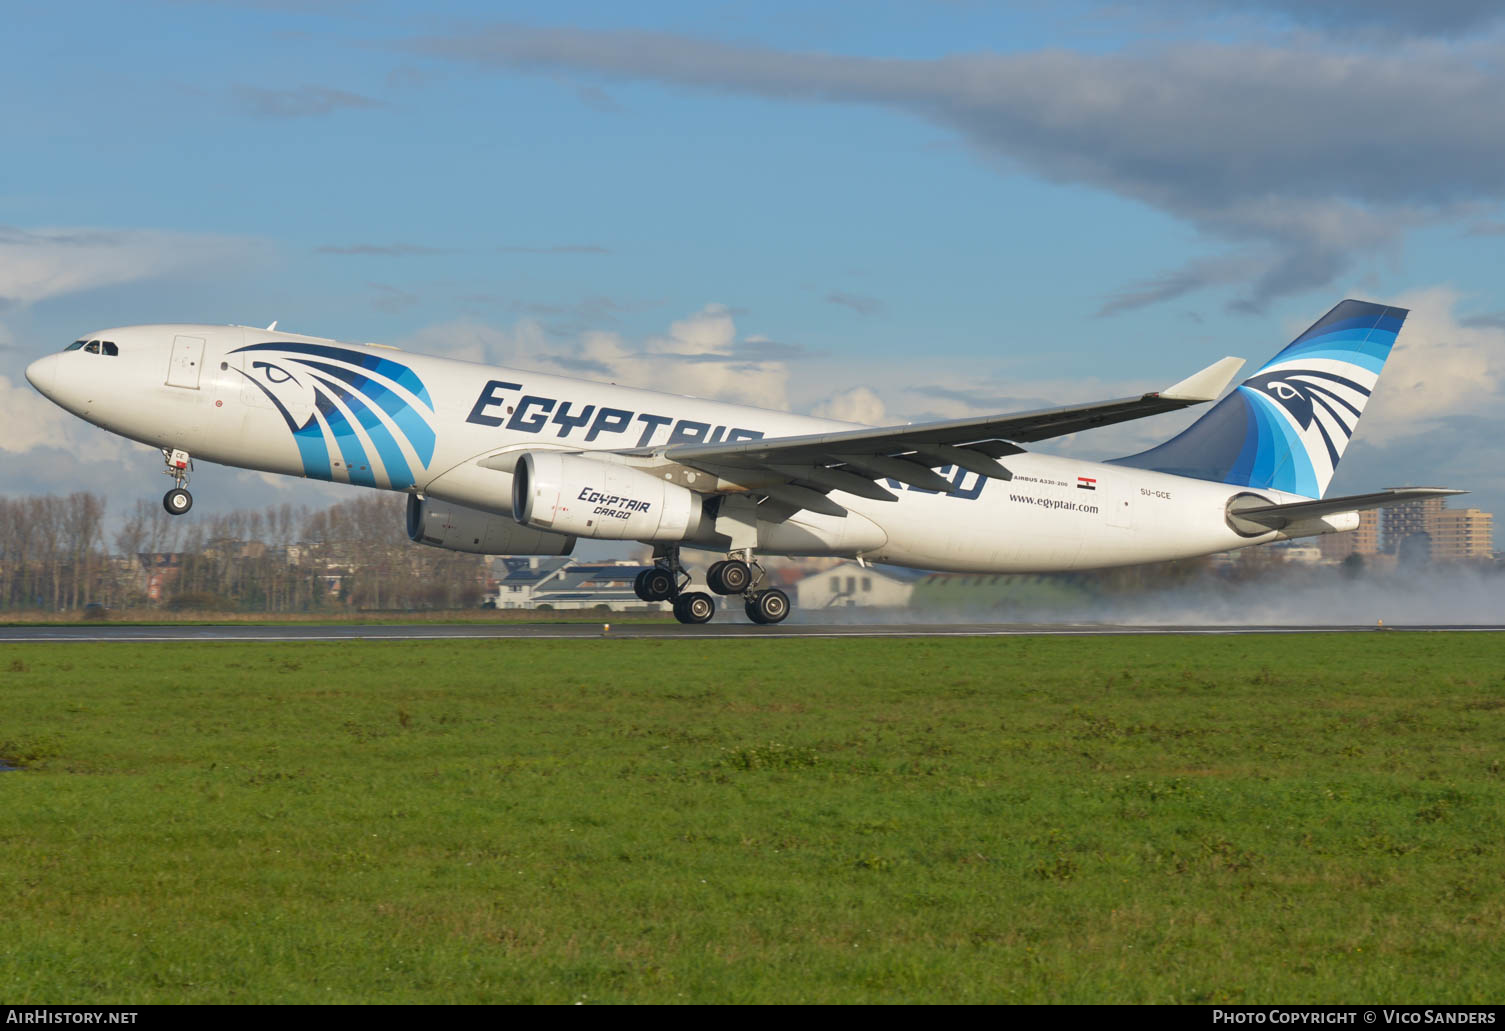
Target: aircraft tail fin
point(1286, 427)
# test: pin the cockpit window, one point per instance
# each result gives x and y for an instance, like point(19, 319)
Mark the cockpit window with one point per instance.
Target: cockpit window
point(92, 347)
point(73, 346)
point(99, 347)
point(109, 348)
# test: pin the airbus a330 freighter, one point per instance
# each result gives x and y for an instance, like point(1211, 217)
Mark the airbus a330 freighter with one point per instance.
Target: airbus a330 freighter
point(507, 462)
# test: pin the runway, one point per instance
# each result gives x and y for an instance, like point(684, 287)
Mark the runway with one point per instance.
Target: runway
point(651, 631)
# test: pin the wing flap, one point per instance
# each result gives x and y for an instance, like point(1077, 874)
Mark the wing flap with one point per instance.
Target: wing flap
point(835, 479)
point(876, 467)
point(804, 497)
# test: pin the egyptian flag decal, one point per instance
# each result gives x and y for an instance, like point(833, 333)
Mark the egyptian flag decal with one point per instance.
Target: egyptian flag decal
point(1086, 483)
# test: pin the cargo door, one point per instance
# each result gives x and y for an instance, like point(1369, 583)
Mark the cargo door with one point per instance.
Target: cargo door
point(186, 363)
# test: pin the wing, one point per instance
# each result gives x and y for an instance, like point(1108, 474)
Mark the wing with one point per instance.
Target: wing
point(798, 472)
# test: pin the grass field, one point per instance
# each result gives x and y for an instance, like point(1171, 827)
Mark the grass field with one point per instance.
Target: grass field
point(1246, 819)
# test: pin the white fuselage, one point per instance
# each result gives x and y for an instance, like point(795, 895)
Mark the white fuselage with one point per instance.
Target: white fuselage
point(1056, 513)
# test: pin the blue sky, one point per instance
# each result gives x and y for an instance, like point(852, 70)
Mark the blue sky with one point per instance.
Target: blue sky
point(893, 211)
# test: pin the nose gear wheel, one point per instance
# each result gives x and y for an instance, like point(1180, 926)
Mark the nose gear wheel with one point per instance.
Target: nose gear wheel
point(179, 466)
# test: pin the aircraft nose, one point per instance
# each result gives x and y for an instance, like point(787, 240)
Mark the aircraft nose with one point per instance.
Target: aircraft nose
point(42, 372)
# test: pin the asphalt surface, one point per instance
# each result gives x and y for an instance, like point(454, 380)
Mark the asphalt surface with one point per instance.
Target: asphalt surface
point(657, 631)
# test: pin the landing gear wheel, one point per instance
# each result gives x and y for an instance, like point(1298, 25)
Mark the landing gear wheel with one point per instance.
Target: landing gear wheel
point(177, 501)
point(729, 577)
point(696, 607)
point(766, 607)
point(657, 584)
point(638, 588)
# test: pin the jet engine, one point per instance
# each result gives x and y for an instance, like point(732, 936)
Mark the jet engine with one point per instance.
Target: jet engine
point(590, 498)
point(457, 528)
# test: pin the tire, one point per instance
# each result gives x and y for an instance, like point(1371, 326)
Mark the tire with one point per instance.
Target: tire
point(177, 501)
point(713, 577)
point(734, 577)
point(771, 607)
point(696, 607)
point(658, 584)
point(638, 587)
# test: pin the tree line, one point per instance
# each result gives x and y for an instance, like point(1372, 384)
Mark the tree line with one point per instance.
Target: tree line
point(58, 554)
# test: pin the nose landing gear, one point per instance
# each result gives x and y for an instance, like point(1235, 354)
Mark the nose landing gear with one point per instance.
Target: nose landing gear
point(179, 466)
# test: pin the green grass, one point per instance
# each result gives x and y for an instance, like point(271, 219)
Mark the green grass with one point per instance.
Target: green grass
point(331, 617)
point(1246, 819)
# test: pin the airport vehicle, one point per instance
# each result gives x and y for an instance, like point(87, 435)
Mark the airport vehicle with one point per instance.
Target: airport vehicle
point(508, 462)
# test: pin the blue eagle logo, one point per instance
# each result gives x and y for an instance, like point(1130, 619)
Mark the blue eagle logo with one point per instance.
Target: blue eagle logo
point(1316, 401)
point(1286, 427)
point(352, 399)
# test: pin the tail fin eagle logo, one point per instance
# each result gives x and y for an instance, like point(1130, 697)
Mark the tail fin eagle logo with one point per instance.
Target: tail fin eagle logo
point(1322, 407)
point(366, 408)
point(1286, 427)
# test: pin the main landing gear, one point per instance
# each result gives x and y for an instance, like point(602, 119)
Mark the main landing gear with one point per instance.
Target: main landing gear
point(667, 579)
point(179, 466)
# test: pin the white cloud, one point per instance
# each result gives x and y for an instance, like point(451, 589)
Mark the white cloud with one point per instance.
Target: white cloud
point(28, 421)
point(860, 404)
point(37, 264)
point(697, 356)
point(1438, 368)
point(709, 331)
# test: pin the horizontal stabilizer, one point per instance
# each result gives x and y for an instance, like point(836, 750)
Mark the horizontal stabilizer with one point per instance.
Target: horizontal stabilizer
point(1248, 513)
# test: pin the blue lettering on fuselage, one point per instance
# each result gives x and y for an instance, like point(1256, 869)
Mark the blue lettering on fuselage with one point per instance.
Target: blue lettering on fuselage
point(531, 413)
point(971, 493)
point(490, 398)
point(525, 419)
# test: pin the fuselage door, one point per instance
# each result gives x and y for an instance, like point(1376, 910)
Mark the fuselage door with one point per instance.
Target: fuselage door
point(1119, 499)
point(186, 363)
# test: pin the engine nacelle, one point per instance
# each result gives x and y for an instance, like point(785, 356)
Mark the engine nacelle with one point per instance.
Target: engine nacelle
point(590, 498)
point(457, 528)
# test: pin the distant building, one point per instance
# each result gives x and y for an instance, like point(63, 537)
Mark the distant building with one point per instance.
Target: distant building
point(564, 584)
point(158, 569)
point(1400, 522)
point(853, 585)
point(517, 577)
point(1003, 595)
point(1427, 530)
point(1463, 535)
point(1299, 554)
